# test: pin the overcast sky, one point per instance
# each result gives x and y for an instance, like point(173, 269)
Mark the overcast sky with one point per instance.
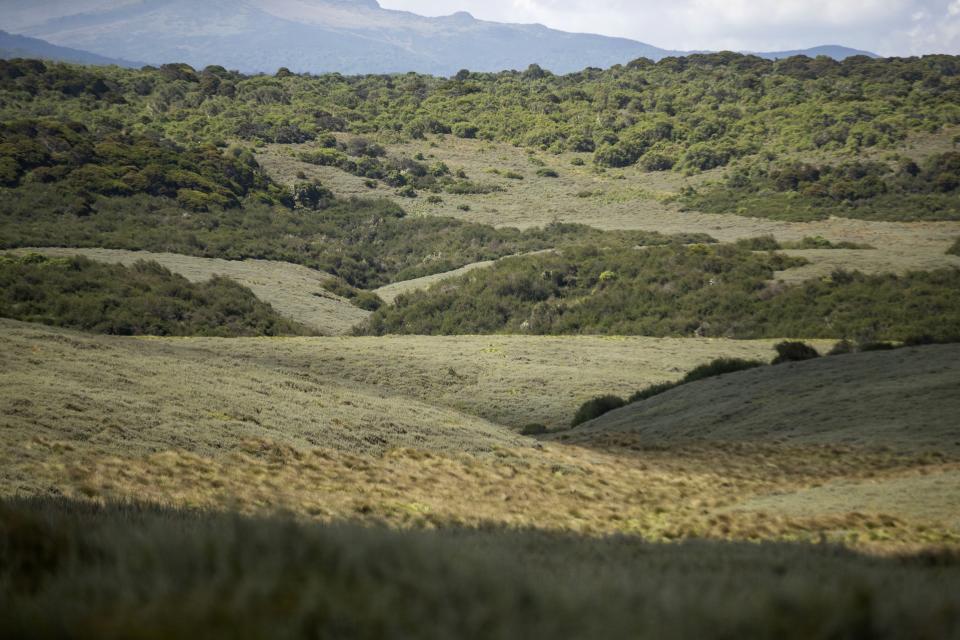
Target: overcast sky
point(887, 27)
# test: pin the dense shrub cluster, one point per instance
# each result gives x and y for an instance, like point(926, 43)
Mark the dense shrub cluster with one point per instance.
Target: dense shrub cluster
point(367, 160)
point(695, 113)
point(145, 299)
point(955, 249)
point(722, 291)
point(769, 243)
point(119, 164)
point(870, 190)
point(793, 351)
point(366, 300)
point(596, 407)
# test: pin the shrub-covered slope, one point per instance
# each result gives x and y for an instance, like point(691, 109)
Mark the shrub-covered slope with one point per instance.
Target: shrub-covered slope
point(721, 291)
point(695, 112)
point(145, 299)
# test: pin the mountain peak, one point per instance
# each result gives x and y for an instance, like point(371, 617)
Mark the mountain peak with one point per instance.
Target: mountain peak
point(347, 36)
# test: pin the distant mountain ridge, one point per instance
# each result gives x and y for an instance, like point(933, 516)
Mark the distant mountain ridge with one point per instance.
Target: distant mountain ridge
point(14, 46)
point(347, 36)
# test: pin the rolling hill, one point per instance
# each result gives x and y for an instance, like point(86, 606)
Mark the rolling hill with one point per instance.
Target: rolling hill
point(347, 36)
point(905, 399)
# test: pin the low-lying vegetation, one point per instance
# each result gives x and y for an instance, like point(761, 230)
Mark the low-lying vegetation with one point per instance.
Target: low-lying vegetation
point(721, 291)
point(866, 190)
point(691, 113)
point(145, 299)
point(106, 571)
point(794, 351)
point(769, 243)
point(954, 250)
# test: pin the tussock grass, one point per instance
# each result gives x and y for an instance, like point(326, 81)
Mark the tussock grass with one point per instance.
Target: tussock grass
point(131, 570)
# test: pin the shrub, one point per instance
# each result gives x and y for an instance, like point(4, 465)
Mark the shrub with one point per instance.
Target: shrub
point(657, 162)
point(955, 249)
point(653, 390)
point(312, 195)
point(465, 130)
point(513, 175)
point(794, 352)
point(719, 367)
point(407, 191)
point(434, 199)
point(578, 162)
point(760, 243)
point(534, 429)
point(547, 173)
point(592, 409)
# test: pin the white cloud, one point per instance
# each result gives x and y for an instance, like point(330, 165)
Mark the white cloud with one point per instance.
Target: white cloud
point(890, 27)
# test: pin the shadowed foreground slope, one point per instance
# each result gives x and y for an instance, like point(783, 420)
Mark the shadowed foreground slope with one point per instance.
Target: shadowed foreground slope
point(82, 571)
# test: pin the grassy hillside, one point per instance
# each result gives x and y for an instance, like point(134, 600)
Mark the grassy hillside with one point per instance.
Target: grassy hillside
point(143, 299)
point(106, 572)
point(901, 400)
point(722, 291)
point(387, 431)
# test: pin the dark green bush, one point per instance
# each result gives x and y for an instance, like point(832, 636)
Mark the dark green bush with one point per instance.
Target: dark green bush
point(719, 367)
point(595, 408)
point(534, 429)
point(652, 390)
point(791, 351)
point(955, 249)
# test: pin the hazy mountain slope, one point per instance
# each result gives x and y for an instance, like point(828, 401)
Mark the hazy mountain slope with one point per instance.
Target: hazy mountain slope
point(907, 399)
point(836, 52)
point(348, 36)
point(14, 46)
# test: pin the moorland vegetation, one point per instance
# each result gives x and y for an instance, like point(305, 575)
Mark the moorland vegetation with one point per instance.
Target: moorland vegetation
point(714, 291)
point(144, 299)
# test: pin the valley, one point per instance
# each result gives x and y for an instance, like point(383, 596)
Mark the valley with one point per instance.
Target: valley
point(666, 350)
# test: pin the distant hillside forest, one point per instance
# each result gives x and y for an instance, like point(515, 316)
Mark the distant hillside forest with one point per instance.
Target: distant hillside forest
point(687, 114)
point(696, 112)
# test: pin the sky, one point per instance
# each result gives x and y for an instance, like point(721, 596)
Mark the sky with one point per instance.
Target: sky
point(886, 27)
